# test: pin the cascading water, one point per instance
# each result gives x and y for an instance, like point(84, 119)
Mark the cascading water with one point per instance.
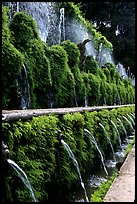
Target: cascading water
point(91, 137)
point(52, 27)
point(52, 30)
point(86, 102)
point(24, 88)
point(119, 139)
point(23, 177)
point(75, 164)
point(98, 57)
point(17, 6)
point(61, 26)
point(51, 99)
point(119, 100)
point(13, 6)
point(10, 6)
point(40, 12)
point(108, 138)
point(120, 68)
point(131, 119)
point(133, 116)
point(103, 55)
point(123, 128)
point(122, 71)
point(77, 33)
point(75, 98)
point(105, 102)
point(128, 122)
point(45, 16)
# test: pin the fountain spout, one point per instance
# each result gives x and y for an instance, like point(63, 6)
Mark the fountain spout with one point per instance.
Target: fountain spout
point(6, 194)
point(21, 173)
point(59, 135)
point(5, 152)
point(66, 146)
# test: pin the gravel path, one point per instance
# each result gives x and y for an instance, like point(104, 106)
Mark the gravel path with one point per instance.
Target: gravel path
point(123, 187)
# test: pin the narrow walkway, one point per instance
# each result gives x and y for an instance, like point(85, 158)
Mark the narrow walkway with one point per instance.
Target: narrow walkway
point(123, 187)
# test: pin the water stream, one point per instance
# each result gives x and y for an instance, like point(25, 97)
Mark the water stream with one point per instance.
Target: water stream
point(128, 122)
point(124, 129)
point(119, 100)
point(91, 137)
point(53, 29)
point(131, 119)
point(24, 88)
point(108, 138)
point(76, 165)
point(86, 101)
point(133, 116)
point(61, 26)
point(46, 17)
point(75, 97)
point(96, 175)
point(119, 139)
point(51, 99)
point(23, 177)
point(17, 6)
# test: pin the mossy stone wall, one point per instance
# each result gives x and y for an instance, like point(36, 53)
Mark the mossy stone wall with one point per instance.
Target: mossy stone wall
point(54, 74)
point(35, 146)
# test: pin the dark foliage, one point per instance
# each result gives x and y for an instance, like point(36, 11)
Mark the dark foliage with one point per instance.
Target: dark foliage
point(116, 21)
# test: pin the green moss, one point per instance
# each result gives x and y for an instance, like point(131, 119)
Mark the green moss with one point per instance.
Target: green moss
point(31, 145)
point(91, 124)
point(73, 62)
point(34, 145)
point(24, 29)
point(33, 57)
point(74, 12)
point(76, 124)
point(114, 93)
point(26, 39)
point(72, 52)
point(87, 85)
point(12, 61)
point(91, 65)
point(5, 30)
point(100, 193)
point(55, 71)
point(109, 94)
point(39, 73)
point(62, 77)
point(130, 94)
point(94, 94)
point(101, 74)
point(107, 73)
point(130, 146)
